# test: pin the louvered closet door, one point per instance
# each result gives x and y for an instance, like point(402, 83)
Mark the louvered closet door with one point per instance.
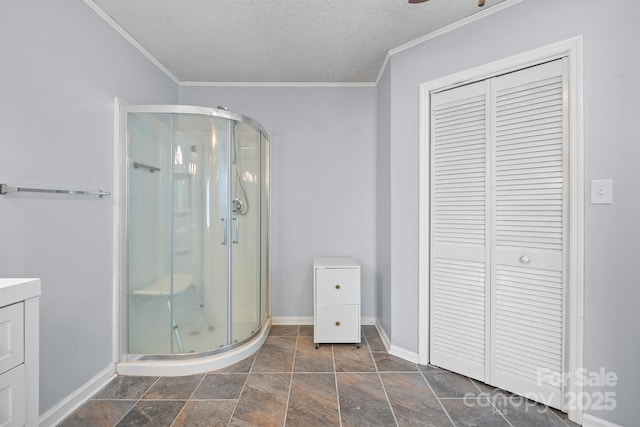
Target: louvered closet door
point(529, 151)
point(498, 230)
point(458, 222)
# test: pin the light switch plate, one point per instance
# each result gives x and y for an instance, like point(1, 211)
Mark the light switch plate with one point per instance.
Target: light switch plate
point(601, 190)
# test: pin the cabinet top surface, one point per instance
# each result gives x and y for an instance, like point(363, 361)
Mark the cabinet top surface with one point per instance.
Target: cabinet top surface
point(14, 290)
point(335, 262)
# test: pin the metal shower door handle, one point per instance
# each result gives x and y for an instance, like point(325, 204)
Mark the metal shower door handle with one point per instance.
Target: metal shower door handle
point(237, 239)
point(224, 230)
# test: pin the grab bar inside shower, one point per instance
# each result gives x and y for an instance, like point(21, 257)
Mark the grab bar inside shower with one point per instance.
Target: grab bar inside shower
point(5, 189)
point(152, 169)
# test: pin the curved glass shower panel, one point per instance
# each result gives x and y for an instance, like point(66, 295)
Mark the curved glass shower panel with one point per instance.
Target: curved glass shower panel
point(149, 231)
point(265, 173)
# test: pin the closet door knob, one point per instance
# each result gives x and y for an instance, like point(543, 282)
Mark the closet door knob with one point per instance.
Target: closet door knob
point(524, 259)
point(337, 286)
point(337, 323)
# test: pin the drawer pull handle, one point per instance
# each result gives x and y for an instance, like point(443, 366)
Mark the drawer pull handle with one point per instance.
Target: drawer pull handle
point(525, 259)
point(337, 323)
point(337, 286)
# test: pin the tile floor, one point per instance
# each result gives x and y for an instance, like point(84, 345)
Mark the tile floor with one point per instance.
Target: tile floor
point(290, 383)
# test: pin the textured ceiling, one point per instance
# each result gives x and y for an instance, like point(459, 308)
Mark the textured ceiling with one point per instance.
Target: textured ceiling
point(280, 40)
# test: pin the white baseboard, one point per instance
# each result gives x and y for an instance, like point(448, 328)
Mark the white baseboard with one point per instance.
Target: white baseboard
point(591, 421)
point(292, 320)
point(407, 355)
point(368, 320)
point(394, 350)
point(383, 336)
point(308, 320)
point(64, 408)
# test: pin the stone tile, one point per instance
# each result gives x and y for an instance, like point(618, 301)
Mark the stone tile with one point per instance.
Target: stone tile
point(448, 384)
point(429, 368)
point(412, 400)
point(348, 358)
point(370, 331)
point(564, 417)
point(156, 413)
point(206, 413)
point(306, 331)
point(284, 331)
point(386, 362)
point(313, 401)
point(486, 388)
point(276, 355)
point(125, 387)
point(220, 386)
point(310, 359)
point(174, 388)
point(99, 413)
point(375, 343)
point(241, 367)
point(473, 412)
point(523, 412)
point(263, 401)
point(362, 400)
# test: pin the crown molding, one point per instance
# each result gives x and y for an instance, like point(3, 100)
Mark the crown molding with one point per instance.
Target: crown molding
point(443, 30)
point(277, 84)
point(109, 20)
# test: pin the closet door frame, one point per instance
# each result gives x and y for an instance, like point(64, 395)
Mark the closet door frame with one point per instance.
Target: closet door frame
point(572, 50)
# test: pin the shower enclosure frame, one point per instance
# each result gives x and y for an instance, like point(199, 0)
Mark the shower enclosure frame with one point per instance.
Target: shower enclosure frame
point(185, 363)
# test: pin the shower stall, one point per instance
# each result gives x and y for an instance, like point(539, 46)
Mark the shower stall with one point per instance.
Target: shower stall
point(195, 262)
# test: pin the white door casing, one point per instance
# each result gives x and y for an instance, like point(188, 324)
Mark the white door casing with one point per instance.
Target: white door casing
point(572, 331)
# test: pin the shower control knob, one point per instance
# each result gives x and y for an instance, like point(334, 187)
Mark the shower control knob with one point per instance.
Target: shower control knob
point(337, 286)
point(337, 323)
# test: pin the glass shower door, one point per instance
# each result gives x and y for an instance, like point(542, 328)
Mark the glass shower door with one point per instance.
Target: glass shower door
point(245, 230)
point(200, 252)
point(178, 243)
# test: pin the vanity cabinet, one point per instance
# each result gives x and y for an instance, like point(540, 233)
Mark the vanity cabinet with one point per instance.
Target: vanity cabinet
point(19, 340)
point(336, 314)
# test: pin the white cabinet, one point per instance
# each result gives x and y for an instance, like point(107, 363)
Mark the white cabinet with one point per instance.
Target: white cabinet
point(19, 336)
point(336, 313)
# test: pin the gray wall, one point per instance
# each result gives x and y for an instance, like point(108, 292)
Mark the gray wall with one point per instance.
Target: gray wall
point(343, 183)
point(383, 205)
point(60, 68)
point(323, 183)
point(612, 150)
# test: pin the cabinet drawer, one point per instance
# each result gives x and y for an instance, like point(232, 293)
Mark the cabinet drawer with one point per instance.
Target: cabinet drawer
point(337, 286)
point(11, 336)
point(337, 323)
point(13, 397)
